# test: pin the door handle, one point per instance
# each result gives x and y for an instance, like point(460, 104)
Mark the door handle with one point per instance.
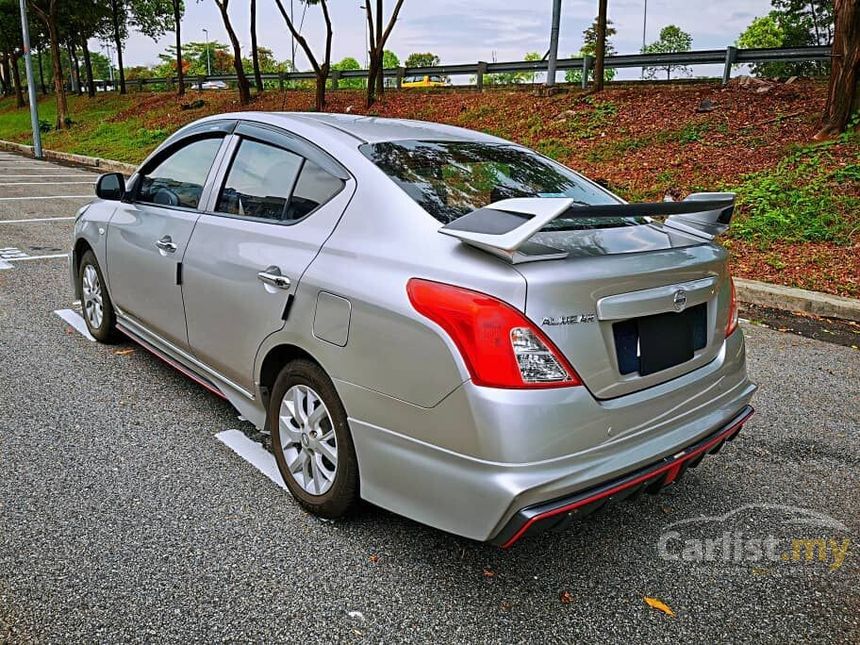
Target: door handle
point(166, 244)
point(273, 276)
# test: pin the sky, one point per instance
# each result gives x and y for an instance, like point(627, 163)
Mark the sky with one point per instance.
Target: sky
point(461, 31)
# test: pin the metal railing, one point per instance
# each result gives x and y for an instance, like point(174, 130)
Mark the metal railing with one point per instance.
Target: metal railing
point(728, 57)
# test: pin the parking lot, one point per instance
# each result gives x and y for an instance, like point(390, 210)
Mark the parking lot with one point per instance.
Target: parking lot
point(124, 515)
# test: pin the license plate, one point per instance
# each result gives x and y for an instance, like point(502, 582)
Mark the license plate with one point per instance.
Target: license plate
point(665, 340)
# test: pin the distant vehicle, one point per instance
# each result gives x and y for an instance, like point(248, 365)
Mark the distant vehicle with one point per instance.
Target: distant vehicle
point(431, 80)
point(444, 323)
point(213, 85)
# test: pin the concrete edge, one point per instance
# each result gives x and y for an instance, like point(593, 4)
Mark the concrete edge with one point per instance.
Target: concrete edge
point(794, 299)
point(748, 291)
point(107, 165)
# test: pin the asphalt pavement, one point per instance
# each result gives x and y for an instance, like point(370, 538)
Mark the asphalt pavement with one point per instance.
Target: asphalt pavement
point(124, 518)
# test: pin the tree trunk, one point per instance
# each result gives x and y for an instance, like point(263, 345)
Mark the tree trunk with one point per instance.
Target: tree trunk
point(117, 40)
point(180, 73)
point(59, 89)
point(42, 74)
point(380, 44)
point(372, 73)
point(241, 79)
point(75, 65)
point(16, 82)
point(843, 96)
point(600, 46)
point(319, 97)
point(255, 56)
point(88, 64)
point(4, 75)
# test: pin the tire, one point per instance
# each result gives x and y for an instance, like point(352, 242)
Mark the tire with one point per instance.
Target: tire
point(304, 442)
point(96, 305)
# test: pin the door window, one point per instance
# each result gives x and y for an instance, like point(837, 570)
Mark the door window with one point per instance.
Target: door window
point(314, 188)
point(178, 180)
point(259, 182)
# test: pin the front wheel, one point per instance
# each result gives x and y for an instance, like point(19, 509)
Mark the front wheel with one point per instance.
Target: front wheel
point(311, 440)
point(95, 302)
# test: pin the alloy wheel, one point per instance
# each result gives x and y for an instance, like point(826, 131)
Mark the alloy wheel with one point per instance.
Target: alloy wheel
point(92, 296)
point(308, 439)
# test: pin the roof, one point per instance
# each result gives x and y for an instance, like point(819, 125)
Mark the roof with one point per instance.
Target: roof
point(371, 129)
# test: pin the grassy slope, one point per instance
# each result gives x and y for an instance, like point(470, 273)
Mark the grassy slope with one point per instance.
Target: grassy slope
point(800, 214)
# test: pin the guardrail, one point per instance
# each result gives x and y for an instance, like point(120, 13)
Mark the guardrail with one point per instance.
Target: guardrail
point(727, 57)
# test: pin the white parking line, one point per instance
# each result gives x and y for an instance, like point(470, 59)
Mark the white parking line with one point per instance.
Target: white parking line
point(38, 257)
point(34, 219)
point(56, 174)
point(43, 183)
point(4, 265)
point(75, 320)
point(10, 199)
point(253, 453)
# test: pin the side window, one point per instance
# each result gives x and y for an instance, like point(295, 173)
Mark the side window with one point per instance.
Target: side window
point(178, 180)
point(314, 187)
point(259, 182)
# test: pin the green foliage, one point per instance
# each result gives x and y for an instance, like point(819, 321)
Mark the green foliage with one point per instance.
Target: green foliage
point(554, 148)
point(390, 59)
point(672, 39)
point(589, 48)
point(513, 78)
point(801, 200)
point(349, 63)
point(781, 29)
point(419, 59)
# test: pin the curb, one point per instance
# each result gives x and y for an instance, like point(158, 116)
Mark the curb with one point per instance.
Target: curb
point(107, 165)
point(748, 291)
point(793, 299)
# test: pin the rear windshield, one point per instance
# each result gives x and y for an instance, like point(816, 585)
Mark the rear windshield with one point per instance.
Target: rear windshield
point(450, 179)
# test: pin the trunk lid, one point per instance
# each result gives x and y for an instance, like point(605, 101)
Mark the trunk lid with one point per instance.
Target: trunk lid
point(631, 306)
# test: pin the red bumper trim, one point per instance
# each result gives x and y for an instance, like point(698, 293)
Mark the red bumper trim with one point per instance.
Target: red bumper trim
point(671, 466)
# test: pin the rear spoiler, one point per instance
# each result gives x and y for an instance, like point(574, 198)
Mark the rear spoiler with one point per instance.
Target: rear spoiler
point(505, 228)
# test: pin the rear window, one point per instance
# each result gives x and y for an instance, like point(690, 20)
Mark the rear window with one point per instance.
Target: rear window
point(450, 179)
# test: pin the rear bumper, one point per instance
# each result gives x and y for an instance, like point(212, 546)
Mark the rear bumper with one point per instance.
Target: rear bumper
point(652, 478)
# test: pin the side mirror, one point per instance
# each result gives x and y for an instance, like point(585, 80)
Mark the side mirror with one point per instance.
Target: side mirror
point(111, 186)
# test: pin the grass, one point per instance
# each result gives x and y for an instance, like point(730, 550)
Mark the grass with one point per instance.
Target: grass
point(807, 197)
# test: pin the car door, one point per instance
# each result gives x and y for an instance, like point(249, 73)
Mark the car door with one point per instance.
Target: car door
point(276, 201)
point(148, 235)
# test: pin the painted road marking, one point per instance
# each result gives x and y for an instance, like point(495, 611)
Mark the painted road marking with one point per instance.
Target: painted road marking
point(10, 252)
point(75, 320)
point(43, 183)
point(4, 265)
point(55, 256)
point(253, 453)
point(10, 199)
point(35, 219)
point(55, 174)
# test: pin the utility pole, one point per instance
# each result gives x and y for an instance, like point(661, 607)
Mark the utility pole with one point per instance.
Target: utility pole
point(644, 24)
point(208, 64)
point(553, 43)
point(31, 85)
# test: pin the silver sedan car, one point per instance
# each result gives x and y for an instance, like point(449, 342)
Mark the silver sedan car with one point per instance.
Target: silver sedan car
point(441, 322)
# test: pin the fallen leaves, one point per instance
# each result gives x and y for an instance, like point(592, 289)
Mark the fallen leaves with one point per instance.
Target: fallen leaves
point(489, 573)
point(123, 352)
point(373, 559)
point(565, 597)
point(659, 605)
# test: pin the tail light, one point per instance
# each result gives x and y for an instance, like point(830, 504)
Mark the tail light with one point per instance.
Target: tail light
point(732, 323)
point(500, 346)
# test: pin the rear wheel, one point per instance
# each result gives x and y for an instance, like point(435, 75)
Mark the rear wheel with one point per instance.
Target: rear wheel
point(311, 440)
point(96, 305)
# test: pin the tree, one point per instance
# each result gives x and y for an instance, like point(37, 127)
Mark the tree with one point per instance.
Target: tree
point(255, 55)
point(349, 63)
point(150, 17)
point(82, 20)
point(426, 59)
point(672, 39)
point(178, 8)
point(600, 46)
point(378, 37)
point(10, 49)
point(321, 69)
point(241, 79)
point(48, 12)
point(790, 24)
point(589, 48)
point(843, 96)
point(512, 78)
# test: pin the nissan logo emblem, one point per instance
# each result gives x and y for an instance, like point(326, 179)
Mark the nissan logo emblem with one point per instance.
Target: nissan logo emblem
point(679, 300)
